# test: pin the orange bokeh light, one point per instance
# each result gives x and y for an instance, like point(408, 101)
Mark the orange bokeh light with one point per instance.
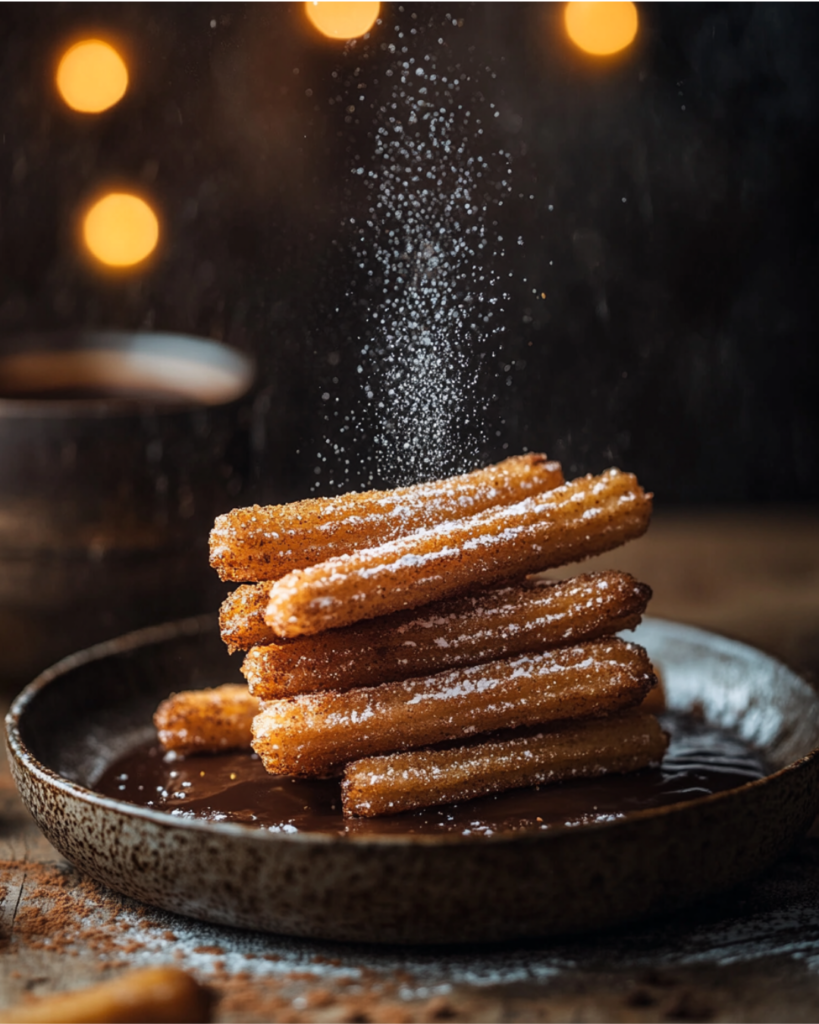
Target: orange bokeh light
point(91, 76)
point(601, 28)
point(120, 229)
point(343, 19)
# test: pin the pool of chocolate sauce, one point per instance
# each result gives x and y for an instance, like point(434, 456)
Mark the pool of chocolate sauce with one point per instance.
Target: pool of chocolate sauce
point(235, 787)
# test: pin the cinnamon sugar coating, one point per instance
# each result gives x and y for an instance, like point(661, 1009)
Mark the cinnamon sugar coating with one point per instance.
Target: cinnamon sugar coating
point(314, 734)
point(393, 783)
point(480, 627)
point(264, 543)
point(241, 617)
point(199, 721)
point(585, 517)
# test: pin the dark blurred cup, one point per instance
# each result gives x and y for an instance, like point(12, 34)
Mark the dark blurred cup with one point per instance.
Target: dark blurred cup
point(117, 450)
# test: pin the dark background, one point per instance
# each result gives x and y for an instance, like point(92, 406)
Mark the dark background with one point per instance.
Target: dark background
point(676, 337)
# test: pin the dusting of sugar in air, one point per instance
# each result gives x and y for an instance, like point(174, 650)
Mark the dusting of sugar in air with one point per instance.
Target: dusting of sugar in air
point(426, 250)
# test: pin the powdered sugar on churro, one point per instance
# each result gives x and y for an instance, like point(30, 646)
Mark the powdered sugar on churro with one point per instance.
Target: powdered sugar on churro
point(470, 630)
point(312, 733)
point(531, 535)
point(264, 543)
point(398, 782)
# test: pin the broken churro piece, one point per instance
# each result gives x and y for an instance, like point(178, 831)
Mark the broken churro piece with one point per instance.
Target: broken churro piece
point(203, 721)
point(570, 750)
point(469, 630)
point(241, 617)
point(150, 995)
point(314, 734)
point(264, 543)
point(585, 517)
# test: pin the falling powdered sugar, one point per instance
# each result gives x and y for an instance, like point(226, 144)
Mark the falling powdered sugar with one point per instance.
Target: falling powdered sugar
point(426, 253)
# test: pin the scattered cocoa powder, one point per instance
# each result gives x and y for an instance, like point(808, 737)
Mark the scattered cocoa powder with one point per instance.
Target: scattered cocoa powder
point(31, 921)
point(62, 913)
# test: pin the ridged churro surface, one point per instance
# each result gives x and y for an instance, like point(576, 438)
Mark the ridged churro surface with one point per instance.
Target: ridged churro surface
point(423, 778)
point(314, 734)
point(264, 543)
point(480, 627)
point(206, 720)
point(574, 521)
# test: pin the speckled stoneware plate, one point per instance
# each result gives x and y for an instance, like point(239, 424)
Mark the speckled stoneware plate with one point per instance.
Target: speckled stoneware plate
point(93, 706)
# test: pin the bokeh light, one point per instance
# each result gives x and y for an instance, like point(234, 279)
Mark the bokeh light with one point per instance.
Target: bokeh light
point(91, 76)
point(343, 19)
point(120, 229)
point(601, 28)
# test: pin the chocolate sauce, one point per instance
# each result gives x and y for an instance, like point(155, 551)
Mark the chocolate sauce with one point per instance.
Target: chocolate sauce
point(235, 787)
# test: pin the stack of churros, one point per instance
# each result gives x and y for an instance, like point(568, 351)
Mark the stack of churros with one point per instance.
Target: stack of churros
point(398, 639)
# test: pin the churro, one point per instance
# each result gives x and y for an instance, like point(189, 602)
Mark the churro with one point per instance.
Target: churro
point(393, 783)
point(201, 721)
point(314, 734)
point(152, 994)
point(241, 617)
point(480, 627)
point(264, 543)
point(574, 521)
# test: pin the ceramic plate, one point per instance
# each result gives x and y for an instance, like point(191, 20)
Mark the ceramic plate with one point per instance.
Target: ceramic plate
point(92, 707)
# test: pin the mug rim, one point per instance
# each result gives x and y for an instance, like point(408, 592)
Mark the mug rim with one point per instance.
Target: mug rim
point(225, 374)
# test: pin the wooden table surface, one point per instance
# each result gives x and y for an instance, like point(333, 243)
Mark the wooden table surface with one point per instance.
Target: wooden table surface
point(753, 955)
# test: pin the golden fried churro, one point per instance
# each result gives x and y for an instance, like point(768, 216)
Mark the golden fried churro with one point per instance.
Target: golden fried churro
point(480, 627)
point(313, 734)
point(571, 750)
point(206, 720)
point(265, 543)
point(150, 995)
point(241, 617)
point(585, 517)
